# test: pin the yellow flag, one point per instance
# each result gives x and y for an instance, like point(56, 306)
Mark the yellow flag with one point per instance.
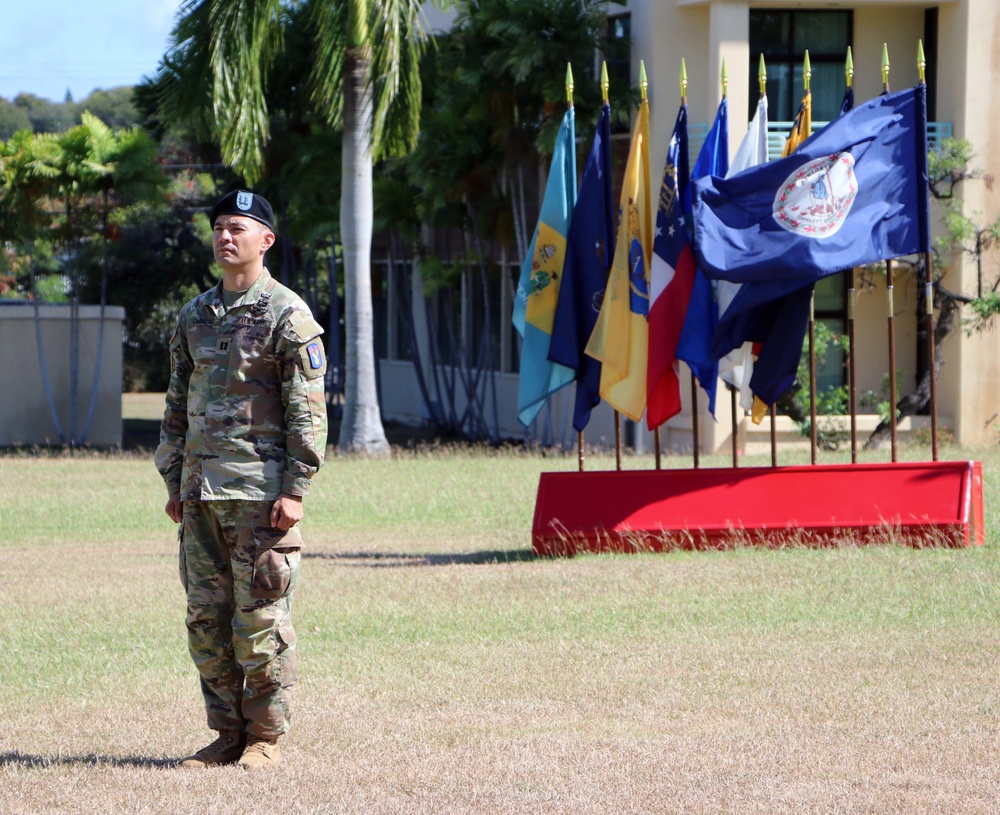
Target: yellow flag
point(620, 337)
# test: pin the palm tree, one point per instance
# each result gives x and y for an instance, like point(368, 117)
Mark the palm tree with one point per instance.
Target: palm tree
point(364, 78)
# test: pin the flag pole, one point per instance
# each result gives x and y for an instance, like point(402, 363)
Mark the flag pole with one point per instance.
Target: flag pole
point(802, 122)
point(891, 318)
point(852, 381)
point(580, 446)
point(694, 384)
point(806, 78)
point(605, 86)
point(773, 413)
point(643, 90)
point(929, 297)
point(732, 390)
point(812, 376)
point(734, 408)
point(762, 85)
point(569, 103)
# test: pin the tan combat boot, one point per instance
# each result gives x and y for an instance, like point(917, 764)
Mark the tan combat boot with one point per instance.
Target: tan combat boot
point(226, 749)
point(260, 753)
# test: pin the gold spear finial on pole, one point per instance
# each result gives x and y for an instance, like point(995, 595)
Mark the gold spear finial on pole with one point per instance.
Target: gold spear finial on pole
point(806, 73)
point(684, 82)
point(643, 82)
point(921, 62)
point(762, 76)
point(849, 68)
point(605, 84)
point(725, 79)
point(885, 67)
point(569, 83)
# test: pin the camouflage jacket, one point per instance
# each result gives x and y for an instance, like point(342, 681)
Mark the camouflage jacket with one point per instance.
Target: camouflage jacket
point(246, 415)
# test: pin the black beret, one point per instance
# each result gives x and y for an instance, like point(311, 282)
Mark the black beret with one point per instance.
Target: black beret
point(242, 202)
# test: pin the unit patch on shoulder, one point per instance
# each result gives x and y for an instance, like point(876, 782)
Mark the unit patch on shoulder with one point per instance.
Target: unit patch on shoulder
point(313, 359)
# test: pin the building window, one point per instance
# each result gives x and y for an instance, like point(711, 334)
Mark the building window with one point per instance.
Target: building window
point(619, 50)
point(618, 57)
point(783, 37)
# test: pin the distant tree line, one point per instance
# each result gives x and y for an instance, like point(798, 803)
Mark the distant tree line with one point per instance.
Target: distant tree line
point(115, 107)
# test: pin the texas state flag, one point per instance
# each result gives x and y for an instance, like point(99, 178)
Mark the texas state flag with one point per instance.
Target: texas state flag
point(671, 278)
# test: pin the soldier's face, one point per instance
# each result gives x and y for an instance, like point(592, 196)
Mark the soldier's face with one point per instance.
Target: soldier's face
point(238, 241)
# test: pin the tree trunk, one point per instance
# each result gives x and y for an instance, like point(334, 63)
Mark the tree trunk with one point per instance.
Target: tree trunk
point(361, 427)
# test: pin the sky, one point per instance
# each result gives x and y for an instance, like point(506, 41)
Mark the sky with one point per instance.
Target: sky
point(50, 46)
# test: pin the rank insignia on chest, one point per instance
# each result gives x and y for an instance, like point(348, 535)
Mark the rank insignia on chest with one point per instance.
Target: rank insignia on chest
point(315, 352)
point(222, 345)
point(259, 309)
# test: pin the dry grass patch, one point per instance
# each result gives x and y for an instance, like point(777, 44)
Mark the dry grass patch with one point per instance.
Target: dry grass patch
point(446, 670)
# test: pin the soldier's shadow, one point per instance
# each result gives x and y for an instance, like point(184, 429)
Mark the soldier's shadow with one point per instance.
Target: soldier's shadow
point(16, 758)
point(393, 560)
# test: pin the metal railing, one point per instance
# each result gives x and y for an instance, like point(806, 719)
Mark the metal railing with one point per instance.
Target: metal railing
point(777, 135)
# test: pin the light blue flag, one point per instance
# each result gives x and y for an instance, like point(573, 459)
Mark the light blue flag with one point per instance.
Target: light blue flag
point(541, 275)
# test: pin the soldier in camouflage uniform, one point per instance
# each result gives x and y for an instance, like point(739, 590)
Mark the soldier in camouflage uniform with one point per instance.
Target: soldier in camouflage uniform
point(243, 432)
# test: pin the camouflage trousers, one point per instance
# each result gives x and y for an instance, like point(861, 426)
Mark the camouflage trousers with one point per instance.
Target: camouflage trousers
point(239, 573)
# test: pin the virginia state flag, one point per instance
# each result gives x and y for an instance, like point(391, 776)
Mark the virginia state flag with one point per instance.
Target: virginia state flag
point(541, 273)
point(671, 279)
point(589, 250)
point(620, 336)
point(695, 345)
point(852, 194)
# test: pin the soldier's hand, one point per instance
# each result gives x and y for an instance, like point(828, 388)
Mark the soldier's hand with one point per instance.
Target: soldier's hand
point(174, 508)
point(286, 511)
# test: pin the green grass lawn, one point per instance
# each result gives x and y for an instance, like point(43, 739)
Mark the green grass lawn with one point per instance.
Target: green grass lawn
point(444, 669)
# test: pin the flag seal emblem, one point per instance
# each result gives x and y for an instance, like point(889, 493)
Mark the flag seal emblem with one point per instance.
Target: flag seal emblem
point(816, 198)
point(244, 200)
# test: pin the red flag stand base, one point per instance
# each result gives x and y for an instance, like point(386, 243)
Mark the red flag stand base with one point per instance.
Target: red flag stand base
point(921, 504)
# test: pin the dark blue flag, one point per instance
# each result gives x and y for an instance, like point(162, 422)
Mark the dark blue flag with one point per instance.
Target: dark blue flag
point(590, 246)
point(854, 193)
point(695, 346)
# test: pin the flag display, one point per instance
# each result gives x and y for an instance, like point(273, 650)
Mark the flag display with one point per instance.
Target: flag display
point(671, 279)
point(620, 335)
point(589, 250)
point(852, 194)
point(538, 285)
point(695, 344)
point(736, 366)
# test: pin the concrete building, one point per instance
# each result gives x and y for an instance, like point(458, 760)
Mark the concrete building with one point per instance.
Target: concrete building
point(962, 45)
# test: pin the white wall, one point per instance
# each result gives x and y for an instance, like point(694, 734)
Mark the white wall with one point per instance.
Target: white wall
point(25, 418)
